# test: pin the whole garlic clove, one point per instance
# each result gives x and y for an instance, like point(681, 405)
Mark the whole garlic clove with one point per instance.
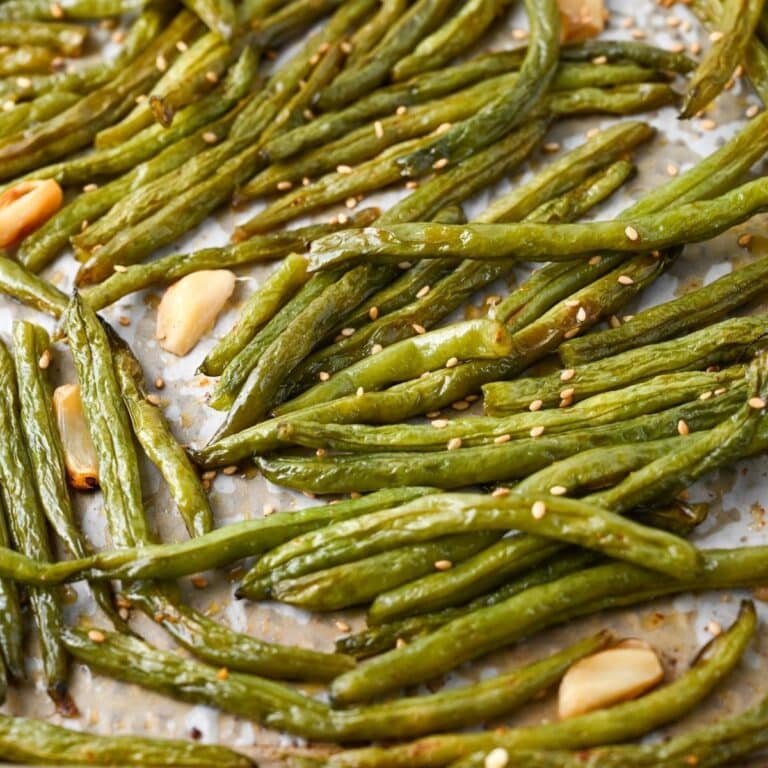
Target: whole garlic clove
point(581, 19)
point(189, 308)
point(80, 458)
point(609, 677)
point(27, 206)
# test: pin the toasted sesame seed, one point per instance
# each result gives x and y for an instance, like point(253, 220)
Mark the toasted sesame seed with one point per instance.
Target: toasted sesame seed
point(323, 375)
point(454, 443)
point(460, 405)
point(347, 331)
point(320, 453)
point(359, 391)
point(222, 674)
point(502, 439)
point(123, 320)
point(537, 431)
point(536, 405)
point(433, 415)
point(638, 34)
point(708, 124)
point(581, 315)
point(441, 163)
point(715, 36)
point(404, 265)
point(567, 374)
point(378, 129)
point(714, 628)
point(683, 428)
point(96, 636)
point(631, 233)
point(566, 394)
point(626, 280)
point(346, 47)
point(600, 60)
point(230, 470)
point(420, 329)
point(153, 399)
point(412, 184)
point(744, 240)
point(90, 187)
point(209, 474)
point(373, 313)
point(199, 582)
point(209, 137)
point(594, 261)
point(305, 182)
point(496, 758)
point(376, 348)
point(672, 169)
point(752, 110)
point(443, 565)
point(677, 47)
point(519, 34)
point(673, 21)
point(45, 359)
point(551, 147)
point(538, 509)
point(401, 110)
point(439, 423)
point(628, 22)
point(351, 202)
point(211, 77)
point(756, 402)
point(268, 510)
point(159, 383)
point(400, 643)
point(500, 492)
point(344, 169)
point(558, 490)
point(451, 362)
point(342, 626)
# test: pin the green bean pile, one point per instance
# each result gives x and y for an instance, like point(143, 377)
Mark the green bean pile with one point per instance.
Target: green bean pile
point(494, 476)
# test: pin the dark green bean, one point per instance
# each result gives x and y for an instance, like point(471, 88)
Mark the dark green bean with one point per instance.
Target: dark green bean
point(29, 532)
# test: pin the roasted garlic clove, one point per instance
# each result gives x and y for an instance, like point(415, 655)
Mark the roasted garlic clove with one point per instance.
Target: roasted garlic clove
point(79, 453)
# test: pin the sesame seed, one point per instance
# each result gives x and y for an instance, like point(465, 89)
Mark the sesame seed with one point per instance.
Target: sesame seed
point(626, 280)
point(378, 129)
point(551, 146)
point(756, 402)
point(343, 169)
point(153, 399)
point(538, 510)
point(628, 22)
point(581, 315)
point(404, 265)
point(433, 415)
point(400, 643)
point(305, 182)
point(373, 313)
point(715, 36)
point(90, 187)
point(614, 321)
point(96, 636)
point(708, 125)
point(502, 439)
point(211, 77)
point(118, 36)
point(460, 405)
point(677, 47)
point(594, 261)
point(683, 428)
point(537, 431)
point(347, 331)
point(230, 470)
point(323, 375)
point(631, 233)
point(222, 674)
point(673, 21)
point(752, 110)
point(423, 291)
point(401, 110)
point(566, 394)
point(346, 47)
point(9, 105)
point(209, 137)
point(320, 453)
point(23, 82)
point(500, 492)
point(360, 392)
point(268, 510)
point(536, 405)
point(351, 202)
point(638, 34)
point(558, 490)
point(600, 60)
point(159, 383)
point(45, 359)
point(57, 11)
point(706, 395)
point(672, 169)
point(124, 321)
point(519, 34)
point(572, 303)
point(181, 46)
point(342, 626)
point(376, 348)
point(161, 63)
point(496, 758)
point(412, 184)
point(443, 565)
point(454, 443)
point(439, 423)
point(420, 329)
point(199, 582)
point(695, 48)
point(719, 391)
point(451, 362)
point(441, 163)
point(744, 240)
point(714, 628)
point(567, 374)
point(209, 475)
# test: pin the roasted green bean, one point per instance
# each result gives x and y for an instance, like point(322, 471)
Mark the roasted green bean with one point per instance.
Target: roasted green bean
point(67, 39)
point(28, 288)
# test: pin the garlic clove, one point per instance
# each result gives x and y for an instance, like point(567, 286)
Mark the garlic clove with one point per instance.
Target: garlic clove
point(190, 307)
point(27, 206)
point(607, 678)
point(80, 458)
point(581, 19)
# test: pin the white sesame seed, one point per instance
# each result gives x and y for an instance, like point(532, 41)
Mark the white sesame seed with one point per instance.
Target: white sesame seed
point(682, 428)
point(441, 163)
point(695, 48)
point(567, 374)
point(360, 392)
point(161, 63)
point(538, 510)
point(433, 415)
point(594, 261)
point(714, 628)
point(230, 470)
point(502, 439)
point(347, 331)
point(378, 129)
point(320, 453)
point(268, 510)
point(638, 34)
point(401, 110)
point(323, 375)
point(90, 187)
point(211, 77)
point(344, 169)
point(756, 402)
point(404, 265)
point(558, 490)
point(423, 291)
point(706, 395)
point(672, 169)
point(752, 110)
point(420, 329)
point(572, 303)
point(9, 105)
point(551, 147)
point(626, 280)
point(351, 202)
point(708, 124)
point(454, 443)
point(45, 359)
point(537, 431)
point(581, 315)
point(719, 391)
point(536, 405)
point(209, 137)
point(443, 565)
point(23, 82)
point(631, 233)
point(500, 492)
point(96, 636)
point(376, 348)
point(342, 626)
point(744, 240)
point(400, 643)
point(496, 758)
point(567, 394)
point(373, 313)
point(181, 46)
point(153, 399)
point(600, 60)
point(715, 36)
point(439, 423)
point(346, 47)
point(451, 362)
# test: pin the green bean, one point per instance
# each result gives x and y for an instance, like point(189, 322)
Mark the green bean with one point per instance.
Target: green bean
point(507, 110)
point(736, 25)
point(726, 341)
point(282, 355)
point(452, 468)
point(67, 39)
point(108, 424)
point(359, 581)
point(219, 645)
point(11, 621)
point(409, 358)
point(26, 59)
point(454, 37)
point(30, 289)
point(260, 308)
point(290, 19)
point(28, 530)
point(37, 742)
point(486, 629)
point(157, 440)
point(274, 245)
point(73, 9)
point(627, 50)
point(218, 15)
point(692, 222)
point(31, 112)
point(651, 396)
point(372, 69)
point(76, 126)
point(46, 452)
point(371, 33)
point(682, 314)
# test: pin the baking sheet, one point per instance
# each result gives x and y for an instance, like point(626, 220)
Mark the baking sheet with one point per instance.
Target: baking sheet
point(676, 627)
